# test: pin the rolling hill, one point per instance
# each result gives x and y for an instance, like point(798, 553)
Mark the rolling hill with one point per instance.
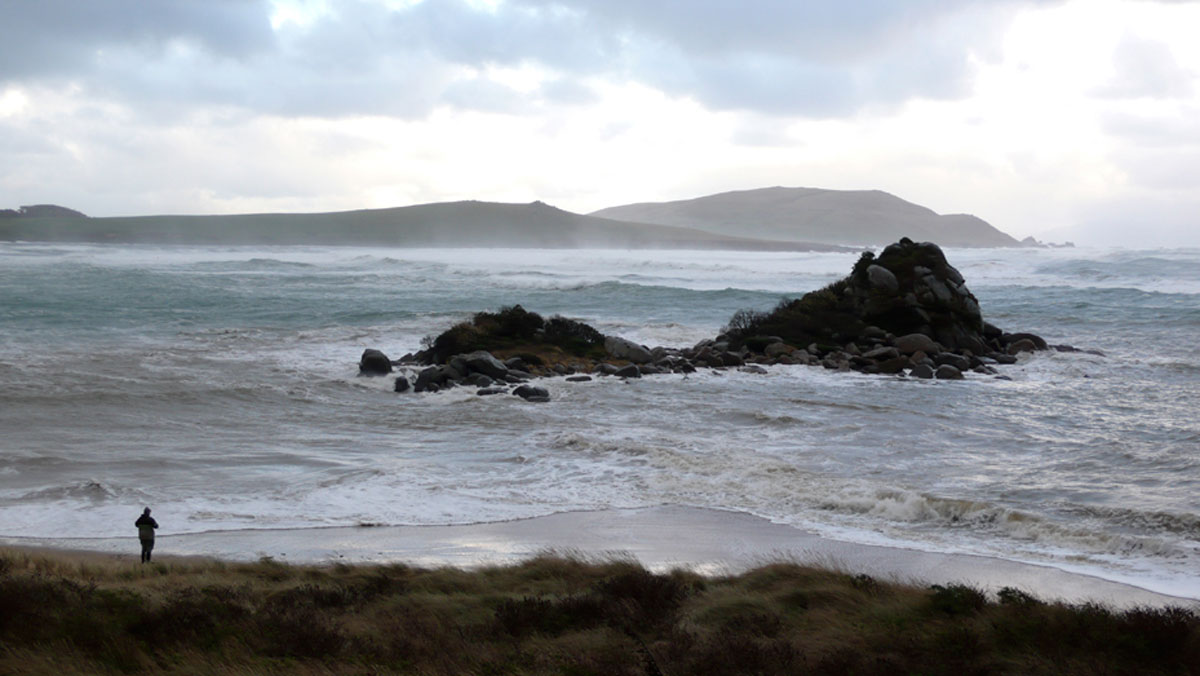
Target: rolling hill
point(447, 224)
point(846, 217)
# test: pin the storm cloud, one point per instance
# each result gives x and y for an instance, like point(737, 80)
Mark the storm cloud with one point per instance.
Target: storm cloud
point(358, 57)
point(1036, 115)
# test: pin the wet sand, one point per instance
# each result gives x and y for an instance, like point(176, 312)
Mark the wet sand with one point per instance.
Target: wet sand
point(705, 540)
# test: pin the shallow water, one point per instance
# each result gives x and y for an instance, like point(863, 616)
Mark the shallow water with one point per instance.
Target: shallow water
point(218, 386)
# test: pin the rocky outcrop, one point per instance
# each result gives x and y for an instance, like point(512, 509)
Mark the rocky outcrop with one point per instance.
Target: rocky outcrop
point(906, 312)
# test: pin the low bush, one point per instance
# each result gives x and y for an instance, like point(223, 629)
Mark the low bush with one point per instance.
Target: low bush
point(557, 616)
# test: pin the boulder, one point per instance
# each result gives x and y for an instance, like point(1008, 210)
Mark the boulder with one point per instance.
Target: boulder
point(374, 363)
point(628, 371)
point(731, 359)
point(778, 349)
point(620, 348)
point(948, 372)
point(487, 391)
point(401, 384)
point(916, 342)
point(578, 379)
point(483, 362)
point(532, 393)
point(882, 354)
point(923, 371)
point(479, 380)
point(429, 379)
point(606, 369)
point(894, 365)
point(956, 360)
point(1022, 345)
point(1039, 343)
point(882, 279)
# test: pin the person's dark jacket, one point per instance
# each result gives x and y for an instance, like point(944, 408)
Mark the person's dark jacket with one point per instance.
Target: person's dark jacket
point(145, 525)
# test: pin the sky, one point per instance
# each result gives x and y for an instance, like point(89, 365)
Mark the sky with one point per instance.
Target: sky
point(1063, 119)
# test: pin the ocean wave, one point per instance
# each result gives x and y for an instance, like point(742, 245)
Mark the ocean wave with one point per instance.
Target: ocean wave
point(1164, 274)
point(1172, 523)
point(940, 518)
point(88, 490)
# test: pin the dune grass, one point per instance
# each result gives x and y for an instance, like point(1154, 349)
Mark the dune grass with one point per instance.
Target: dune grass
point(63, 614)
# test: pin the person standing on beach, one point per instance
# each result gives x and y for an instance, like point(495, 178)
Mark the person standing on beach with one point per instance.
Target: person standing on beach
point(146, 525)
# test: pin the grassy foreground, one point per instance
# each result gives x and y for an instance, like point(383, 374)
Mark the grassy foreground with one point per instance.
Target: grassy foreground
point(62, 614)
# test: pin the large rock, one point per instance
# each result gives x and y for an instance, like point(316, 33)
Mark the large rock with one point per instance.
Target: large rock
point(1022, 345)
point(913, 343)
point(532, 393)
point(893, 365)
point(430, 379)
point(778, 349)
point(948, 372)
point(374, 363)
point(923, 371)
point(1038, 342)
point(956, 360)
point(620, 348)
point(883, 279)
point(882, 354)
point(483, 362)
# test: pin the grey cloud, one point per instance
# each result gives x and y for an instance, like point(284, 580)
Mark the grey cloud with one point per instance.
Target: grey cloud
point(65, 37)
point(818, 58)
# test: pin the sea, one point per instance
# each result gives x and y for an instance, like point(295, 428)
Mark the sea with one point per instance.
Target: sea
point(219, 386)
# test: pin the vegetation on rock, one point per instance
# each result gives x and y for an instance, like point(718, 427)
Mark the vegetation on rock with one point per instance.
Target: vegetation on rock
point(514, 331)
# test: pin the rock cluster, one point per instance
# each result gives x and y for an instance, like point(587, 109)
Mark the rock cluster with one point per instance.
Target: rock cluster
point(906, 312)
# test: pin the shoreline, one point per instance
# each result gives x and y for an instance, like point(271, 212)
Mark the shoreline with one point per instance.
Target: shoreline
point(703, 540)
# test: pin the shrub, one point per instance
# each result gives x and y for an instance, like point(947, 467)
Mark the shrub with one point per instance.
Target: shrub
point(864, 261)
point(957, 599)
point(509, 322)
point(573, 336)
point(745, 320)
point(647, 598)
point(527, 615)
point(1010, 596)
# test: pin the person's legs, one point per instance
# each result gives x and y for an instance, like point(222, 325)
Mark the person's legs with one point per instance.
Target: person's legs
point(147, 546)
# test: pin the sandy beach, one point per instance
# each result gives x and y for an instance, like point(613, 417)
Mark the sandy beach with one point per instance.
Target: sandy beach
point(703, 540)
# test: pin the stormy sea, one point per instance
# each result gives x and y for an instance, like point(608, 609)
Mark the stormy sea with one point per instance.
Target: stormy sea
point(219, 385)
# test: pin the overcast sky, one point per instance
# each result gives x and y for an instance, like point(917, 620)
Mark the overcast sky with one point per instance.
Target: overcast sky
point(1058, 119)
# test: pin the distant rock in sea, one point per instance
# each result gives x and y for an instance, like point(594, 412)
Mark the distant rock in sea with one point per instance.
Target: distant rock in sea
point(907, 312)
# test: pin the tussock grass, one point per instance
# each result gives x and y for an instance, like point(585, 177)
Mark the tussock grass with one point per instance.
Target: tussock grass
point(70, 613)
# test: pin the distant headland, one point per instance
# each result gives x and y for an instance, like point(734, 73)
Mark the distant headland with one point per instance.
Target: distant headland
point(768, 219)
